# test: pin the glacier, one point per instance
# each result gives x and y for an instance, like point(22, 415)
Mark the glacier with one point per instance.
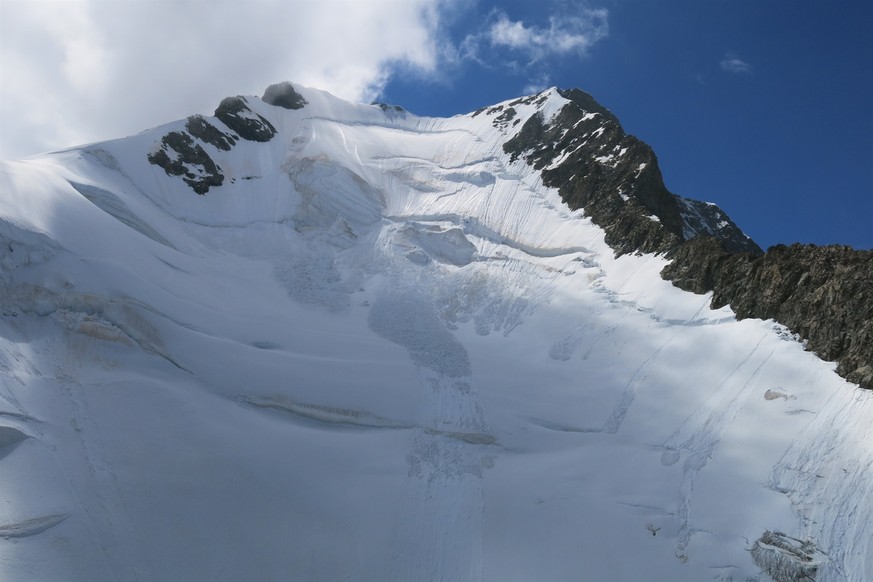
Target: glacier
point(379, 347)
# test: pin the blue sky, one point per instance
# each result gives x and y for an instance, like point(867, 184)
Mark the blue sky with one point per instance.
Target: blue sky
point(762, 106)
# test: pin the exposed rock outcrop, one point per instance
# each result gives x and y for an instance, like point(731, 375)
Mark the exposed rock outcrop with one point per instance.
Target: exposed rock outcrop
point(179, 155)
point(707, 219)
point(284, 95)
point(208, 133)
point(390, 110)
point(824, 294)
point(235, 113)
point(584, 153)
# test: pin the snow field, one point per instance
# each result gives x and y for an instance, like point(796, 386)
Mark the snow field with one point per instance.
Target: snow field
point(382, 351)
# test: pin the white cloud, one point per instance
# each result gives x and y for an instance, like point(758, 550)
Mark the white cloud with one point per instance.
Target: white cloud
point(734, 64)
point(574, 32)
point(512, 34)
point(524, 48)
point(75, 71)
point(538, 84)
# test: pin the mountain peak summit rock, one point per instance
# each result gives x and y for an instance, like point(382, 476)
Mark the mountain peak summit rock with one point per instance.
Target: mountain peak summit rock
point(284, 95)
point(584, 152)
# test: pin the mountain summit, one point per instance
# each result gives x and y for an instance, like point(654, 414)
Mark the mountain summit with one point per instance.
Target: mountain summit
point(310, 339)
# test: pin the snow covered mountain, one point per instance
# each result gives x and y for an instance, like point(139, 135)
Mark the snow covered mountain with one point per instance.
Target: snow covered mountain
point(307, 339)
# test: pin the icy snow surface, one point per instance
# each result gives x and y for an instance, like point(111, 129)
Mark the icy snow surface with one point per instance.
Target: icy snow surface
point(388, 354)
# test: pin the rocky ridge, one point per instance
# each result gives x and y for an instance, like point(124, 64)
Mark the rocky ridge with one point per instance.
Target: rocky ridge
point(181, 153)
point(584, 152)
point(823, 294)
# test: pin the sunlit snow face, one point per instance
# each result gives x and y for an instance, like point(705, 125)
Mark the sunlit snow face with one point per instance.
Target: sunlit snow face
point(382, 333)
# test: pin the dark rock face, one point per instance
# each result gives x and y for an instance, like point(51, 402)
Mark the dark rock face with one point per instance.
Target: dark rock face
point(504, 118)
point(584, 153)
point(179, 155)
point(284, 95)
point(234, 112)
point(824, 294)
point(208, 133)
point(587, 103)
point(707, 219)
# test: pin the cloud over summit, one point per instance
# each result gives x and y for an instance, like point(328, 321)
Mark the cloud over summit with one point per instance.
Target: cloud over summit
point(79, 71)
point(84, 70)
point(567, 32)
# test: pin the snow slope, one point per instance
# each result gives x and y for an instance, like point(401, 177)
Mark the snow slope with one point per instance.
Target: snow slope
point(382, 351)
